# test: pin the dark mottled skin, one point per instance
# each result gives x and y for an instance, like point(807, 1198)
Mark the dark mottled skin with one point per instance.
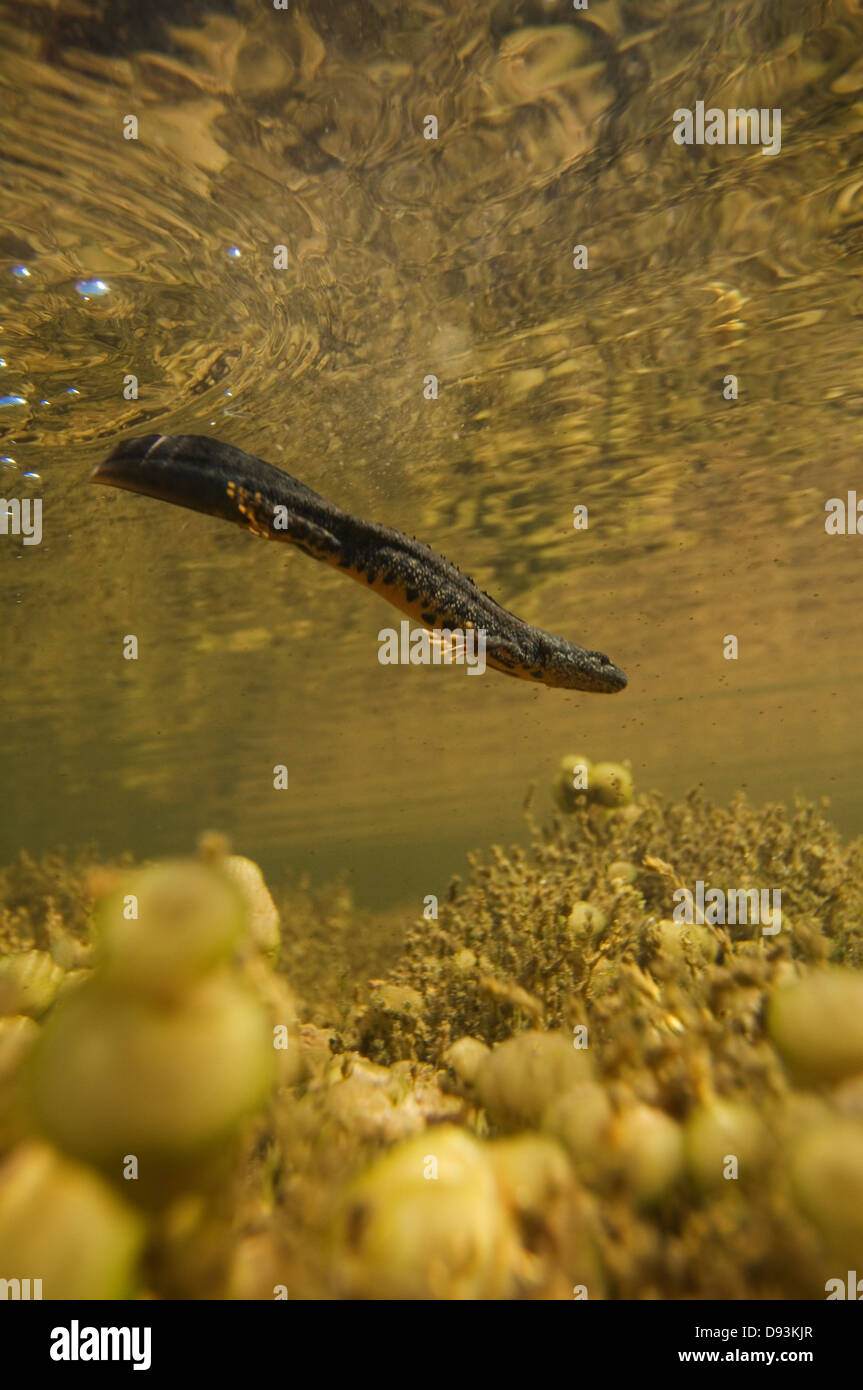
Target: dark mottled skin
point(208, 476)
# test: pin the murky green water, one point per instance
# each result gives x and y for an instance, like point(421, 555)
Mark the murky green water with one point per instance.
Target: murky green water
point(410, 257)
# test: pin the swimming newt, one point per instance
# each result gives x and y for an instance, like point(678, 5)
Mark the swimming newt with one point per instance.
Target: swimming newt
point(209, 476)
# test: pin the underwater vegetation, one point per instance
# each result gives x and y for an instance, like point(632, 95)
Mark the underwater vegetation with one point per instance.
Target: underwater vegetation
point(553, 1088)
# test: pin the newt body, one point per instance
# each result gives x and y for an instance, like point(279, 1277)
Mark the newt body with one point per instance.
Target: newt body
point(208, 476)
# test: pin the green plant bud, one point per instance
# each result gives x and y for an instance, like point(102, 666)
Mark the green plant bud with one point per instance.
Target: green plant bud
point(70, 953)
point(675, 937)
point(427, 1221)
point(112, 1076)
point(622, 871)
point(29, 981)
point(647, 1148)
point(566, 795)
point(718, 1131)
point(169, 925)
point(827, 1180)
point(263, 925)
point(610, 784)
point(532, 1171)
point(585, 918)
point(17, 1036)
point(579, 1118)
point(816, 1025)
point(62, 1224)
point(466, 1056)
point(522, 1076)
